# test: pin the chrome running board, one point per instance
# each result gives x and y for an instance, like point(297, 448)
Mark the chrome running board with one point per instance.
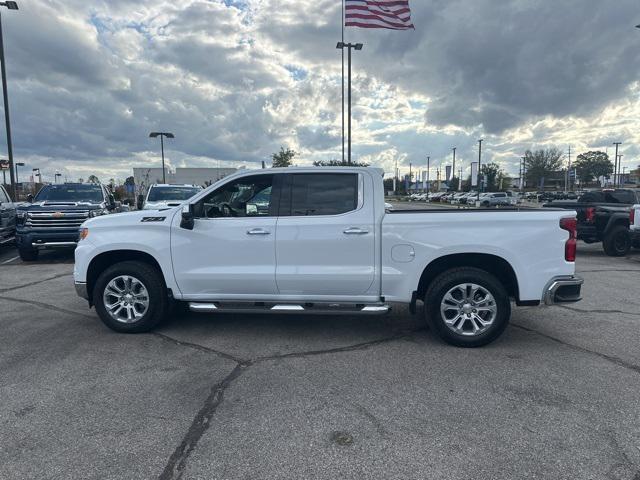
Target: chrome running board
point(307, 308)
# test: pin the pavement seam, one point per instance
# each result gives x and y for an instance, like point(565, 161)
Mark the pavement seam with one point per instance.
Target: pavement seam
point(615, 360)
point(4, 290)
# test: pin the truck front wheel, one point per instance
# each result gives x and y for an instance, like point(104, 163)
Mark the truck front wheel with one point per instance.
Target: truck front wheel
point(617, 242)
point(467, 307)
point(130, 297)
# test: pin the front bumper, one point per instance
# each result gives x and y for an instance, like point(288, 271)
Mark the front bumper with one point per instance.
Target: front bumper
point(81, 290)
point(563, 290)
point(47, 239)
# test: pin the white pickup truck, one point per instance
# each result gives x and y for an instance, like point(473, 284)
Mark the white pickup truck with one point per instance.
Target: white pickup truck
point(319, 240)
point(634, 226)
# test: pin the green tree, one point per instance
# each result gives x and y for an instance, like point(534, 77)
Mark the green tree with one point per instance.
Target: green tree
point(491, 173)
point(93, 179)
point(592, 165)
point(284, 158)
point(541, 164)
point(338, 163)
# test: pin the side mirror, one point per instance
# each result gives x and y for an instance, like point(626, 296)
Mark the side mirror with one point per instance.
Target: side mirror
point(140, 202)
point(187, 221)
point(30, 198)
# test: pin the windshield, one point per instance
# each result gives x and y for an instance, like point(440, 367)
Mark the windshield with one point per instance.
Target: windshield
point(164, 194)
point(70, 193)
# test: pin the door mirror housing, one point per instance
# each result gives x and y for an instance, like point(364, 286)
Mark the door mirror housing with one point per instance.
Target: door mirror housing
point(140, 202)
point(187, 221)
point(30, 198)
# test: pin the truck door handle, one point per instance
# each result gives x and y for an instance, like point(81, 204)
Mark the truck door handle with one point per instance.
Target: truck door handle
point(258, 231)
point(355, 231)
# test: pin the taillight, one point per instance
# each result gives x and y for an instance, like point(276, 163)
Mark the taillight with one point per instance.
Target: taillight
point(632, 217)
point(590, 214)
point(571, 226)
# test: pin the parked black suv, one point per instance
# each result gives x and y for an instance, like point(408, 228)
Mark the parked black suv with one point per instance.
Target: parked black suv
point(603, 216)
point(52, 219)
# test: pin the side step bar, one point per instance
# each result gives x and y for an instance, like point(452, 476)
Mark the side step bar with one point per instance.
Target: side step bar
point(307, 308)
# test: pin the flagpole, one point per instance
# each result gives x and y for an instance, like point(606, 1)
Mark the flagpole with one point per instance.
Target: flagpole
point(342, 25)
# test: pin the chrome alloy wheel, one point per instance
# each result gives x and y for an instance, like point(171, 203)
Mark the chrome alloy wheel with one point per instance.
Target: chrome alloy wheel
point(126, 299)
point(468, 309)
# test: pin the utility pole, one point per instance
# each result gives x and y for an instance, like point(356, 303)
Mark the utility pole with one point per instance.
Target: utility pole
point(620, 169)
point(615, 166)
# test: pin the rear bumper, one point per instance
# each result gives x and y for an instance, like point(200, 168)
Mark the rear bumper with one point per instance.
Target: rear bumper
point(563, 290)
point(635, 236)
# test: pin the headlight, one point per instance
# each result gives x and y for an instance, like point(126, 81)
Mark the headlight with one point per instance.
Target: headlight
point(97, 213)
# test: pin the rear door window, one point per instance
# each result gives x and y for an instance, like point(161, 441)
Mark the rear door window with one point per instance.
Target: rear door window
point(313, 194)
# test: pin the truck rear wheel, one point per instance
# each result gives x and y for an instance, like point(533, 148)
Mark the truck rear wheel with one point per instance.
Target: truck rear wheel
point(28, 254)
point(467, 307)
point(130, 297)
point(617, 242)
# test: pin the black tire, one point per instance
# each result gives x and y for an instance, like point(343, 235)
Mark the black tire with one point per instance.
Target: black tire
point(28, 254)
point(449, 280)
point(152, 280)
point(617, 243)
point(486, 204)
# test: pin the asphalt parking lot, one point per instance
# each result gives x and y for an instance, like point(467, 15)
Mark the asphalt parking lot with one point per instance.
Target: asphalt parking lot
point(292, 397)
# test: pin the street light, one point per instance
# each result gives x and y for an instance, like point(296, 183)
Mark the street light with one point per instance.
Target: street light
point(349, 46)
point(162, 135)
point(5, 96)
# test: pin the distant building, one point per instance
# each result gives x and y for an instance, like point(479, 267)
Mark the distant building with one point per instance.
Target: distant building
point(144, 177)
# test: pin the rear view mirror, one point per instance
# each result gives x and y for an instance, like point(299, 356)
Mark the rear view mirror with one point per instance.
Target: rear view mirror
point(187, 221)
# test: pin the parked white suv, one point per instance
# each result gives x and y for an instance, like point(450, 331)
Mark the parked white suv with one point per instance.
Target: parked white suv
point(319, 240)
point(166, 196)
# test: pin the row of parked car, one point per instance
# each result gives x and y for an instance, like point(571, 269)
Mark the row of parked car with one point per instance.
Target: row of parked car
point(51, 219)
point(485, 199)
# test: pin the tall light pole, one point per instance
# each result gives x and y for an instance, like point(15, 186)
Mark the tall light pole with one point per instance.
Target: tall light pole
point(5, 96)
point(620, 176)
point(480, 177)
point(615, 165)
point(349, 46)
point(428, 169)
point(162, 135)
point(453, 167)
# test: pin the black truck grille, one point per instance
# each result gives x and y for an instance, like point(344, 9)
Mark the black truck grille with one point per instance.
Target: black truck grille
point(66, 219)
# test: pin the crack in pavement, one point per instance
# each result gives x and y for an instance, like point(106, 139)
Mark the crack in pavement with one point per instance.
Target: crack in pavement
point(579, 310)
point(177, 463)
point(199, 347)
point(37, 282)
point(47, 306)
point(615, 360)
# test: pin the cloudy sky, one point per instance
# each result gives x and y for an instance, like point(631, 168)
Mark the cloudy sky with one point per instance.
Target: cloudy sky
point(236, 79)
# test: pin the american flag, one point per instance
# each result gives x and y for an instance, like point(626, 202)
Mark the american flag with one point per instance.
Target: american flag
point(391, 14)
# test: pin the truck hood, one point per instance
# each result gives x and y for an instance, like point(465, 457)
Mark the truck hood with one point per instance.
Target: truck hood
point(59, 206)
point(162, 205)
